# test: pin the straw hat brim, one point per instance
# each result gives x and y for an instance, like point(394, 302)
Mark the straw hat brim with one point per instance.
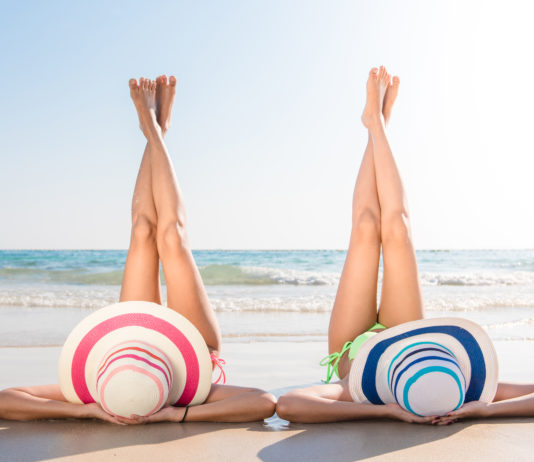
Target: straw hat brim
point(147, 322)
point(469, 342)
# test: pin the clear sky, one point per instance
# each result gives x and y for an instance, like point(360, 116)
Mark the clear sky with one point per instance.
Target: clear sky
point(266, 137)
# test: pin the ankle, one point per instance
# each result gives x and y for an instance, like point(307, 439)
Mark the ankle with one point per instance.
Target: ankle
point(375, 123)
point(153, 132)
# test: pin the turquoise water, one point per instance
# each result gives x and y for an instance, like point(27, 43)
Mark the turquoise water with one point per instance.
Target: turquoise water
point(260, 294)
point(260, 267)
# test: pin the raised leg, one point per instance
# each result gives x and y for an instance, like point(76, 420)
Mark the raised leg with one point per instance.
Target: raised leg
point(185, 290)
point(401, 299)
point(141, 271)
point(354, 308)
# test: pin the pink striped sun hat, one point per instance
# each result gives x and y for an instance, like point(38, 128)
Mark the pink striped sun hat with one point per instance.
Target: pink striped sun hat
point(135, 358)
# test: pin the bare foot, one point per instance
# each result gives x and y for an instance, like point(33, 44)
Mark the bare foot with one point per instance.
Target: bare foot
point(377, 84)
point(144, 98)
point(165, 91)
point(389, 99)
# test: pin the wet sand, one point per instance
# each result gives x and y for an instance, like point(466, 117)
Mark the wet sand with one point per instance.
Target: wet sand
point(274, 366)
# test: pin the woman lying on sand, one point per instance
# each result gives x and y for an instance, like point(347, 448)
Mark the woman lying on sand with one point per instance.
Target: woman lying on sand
point(396, 365)
point(158, 234)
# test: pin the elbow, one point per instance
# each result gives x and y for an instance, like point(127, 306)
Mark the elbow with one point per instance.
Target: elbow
point(7, 410)
point(266, 404)
point(286, 409)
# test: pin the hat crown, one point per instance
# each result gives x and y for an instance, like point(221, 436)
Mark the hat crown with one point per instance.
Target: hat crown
point(133, 377)
point(426, 379)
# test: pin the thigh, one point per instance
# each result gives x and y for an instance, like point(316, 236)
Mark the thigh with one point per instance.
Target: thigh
point(140, 281)
point(354, 308)
point(401, 299)
point(186, 293)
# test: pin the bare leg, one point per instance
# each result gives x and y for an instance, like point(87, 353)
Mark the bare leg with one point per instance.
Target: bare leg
point(185, 290)
point(141, 271)
point(355, 308)
point(401, 299)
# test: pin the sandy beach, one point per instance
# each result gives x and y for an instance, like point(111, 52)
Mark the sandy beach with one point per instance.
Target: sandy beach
point(275, 366)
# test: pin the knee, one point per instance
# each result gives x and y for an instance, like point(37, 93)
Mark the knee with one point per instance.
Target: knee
point(143, 230)
point(172, 238)
point(366, 225)
point(396, 228)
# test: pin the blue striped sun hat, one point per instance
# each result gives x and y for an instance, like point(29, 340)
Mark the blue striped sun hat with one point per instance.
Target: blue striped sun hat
point(429, 367)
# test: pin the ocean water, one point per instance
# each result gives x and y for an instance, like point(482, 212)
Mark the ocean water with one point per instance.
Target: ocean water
point(261, 295)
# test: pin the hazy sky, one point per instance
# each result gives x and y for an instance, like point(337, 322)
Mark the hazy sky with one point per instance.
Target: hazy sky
point(266, 137)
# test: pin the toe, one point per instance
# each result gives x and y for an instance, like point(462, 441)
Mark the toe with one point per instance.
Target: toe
point(396, 81)
point(172, 80)
point(373, 71)
point(132, 83)
point(164, 79)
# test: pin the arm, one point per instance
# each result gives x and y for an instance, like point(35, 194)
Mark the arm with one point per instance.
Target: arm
point(225, 403)
point(333, 403)
point(511, 400)
point(46, 402)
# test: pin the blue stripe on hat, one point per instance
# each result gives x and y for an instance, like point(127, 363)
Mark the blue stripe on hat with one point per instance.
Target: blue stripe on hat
point(441, 350)
point(466, 339)
point(411, 346)
point(419, 360)
point(424, 371)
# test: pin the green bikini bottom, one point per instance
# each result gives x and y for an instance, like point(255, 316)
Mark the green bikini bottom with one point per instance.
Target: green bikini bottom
point(332, 360)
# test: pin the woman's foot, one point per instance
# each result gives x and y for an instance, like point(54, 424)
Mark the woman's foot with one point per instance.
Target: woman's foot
point(389, 98)
point(377, 84)
point(165, 91)
point(144, 98)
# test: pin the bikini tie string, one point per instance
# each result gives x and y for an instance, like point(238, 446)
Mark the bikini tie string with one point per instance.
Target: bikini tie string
point(332, 361)
point(219, 362)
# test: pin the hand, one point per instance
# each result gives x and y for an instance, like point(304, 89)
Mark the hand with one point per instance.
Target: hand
point(95, 411)
point(473, 409)
point(166, 414)
point(394, 411)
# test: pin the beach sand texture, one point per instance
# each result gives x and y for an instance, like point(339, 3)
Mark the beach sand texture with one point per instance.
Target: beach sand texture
point(275, 366)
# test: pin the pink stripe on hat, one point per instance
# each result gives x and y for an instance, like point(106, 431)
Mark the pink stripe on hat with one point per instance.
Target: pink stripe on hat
point(148, 321)
point(139, 358)
point(135, 348)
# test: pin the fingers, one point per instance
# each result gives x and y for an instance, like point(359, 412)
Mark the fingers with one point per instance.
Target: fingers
point(125, 420)
point(444, 420)
point(112, 419)
point(412, 418)
point(424, 420)
point(139, 419)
